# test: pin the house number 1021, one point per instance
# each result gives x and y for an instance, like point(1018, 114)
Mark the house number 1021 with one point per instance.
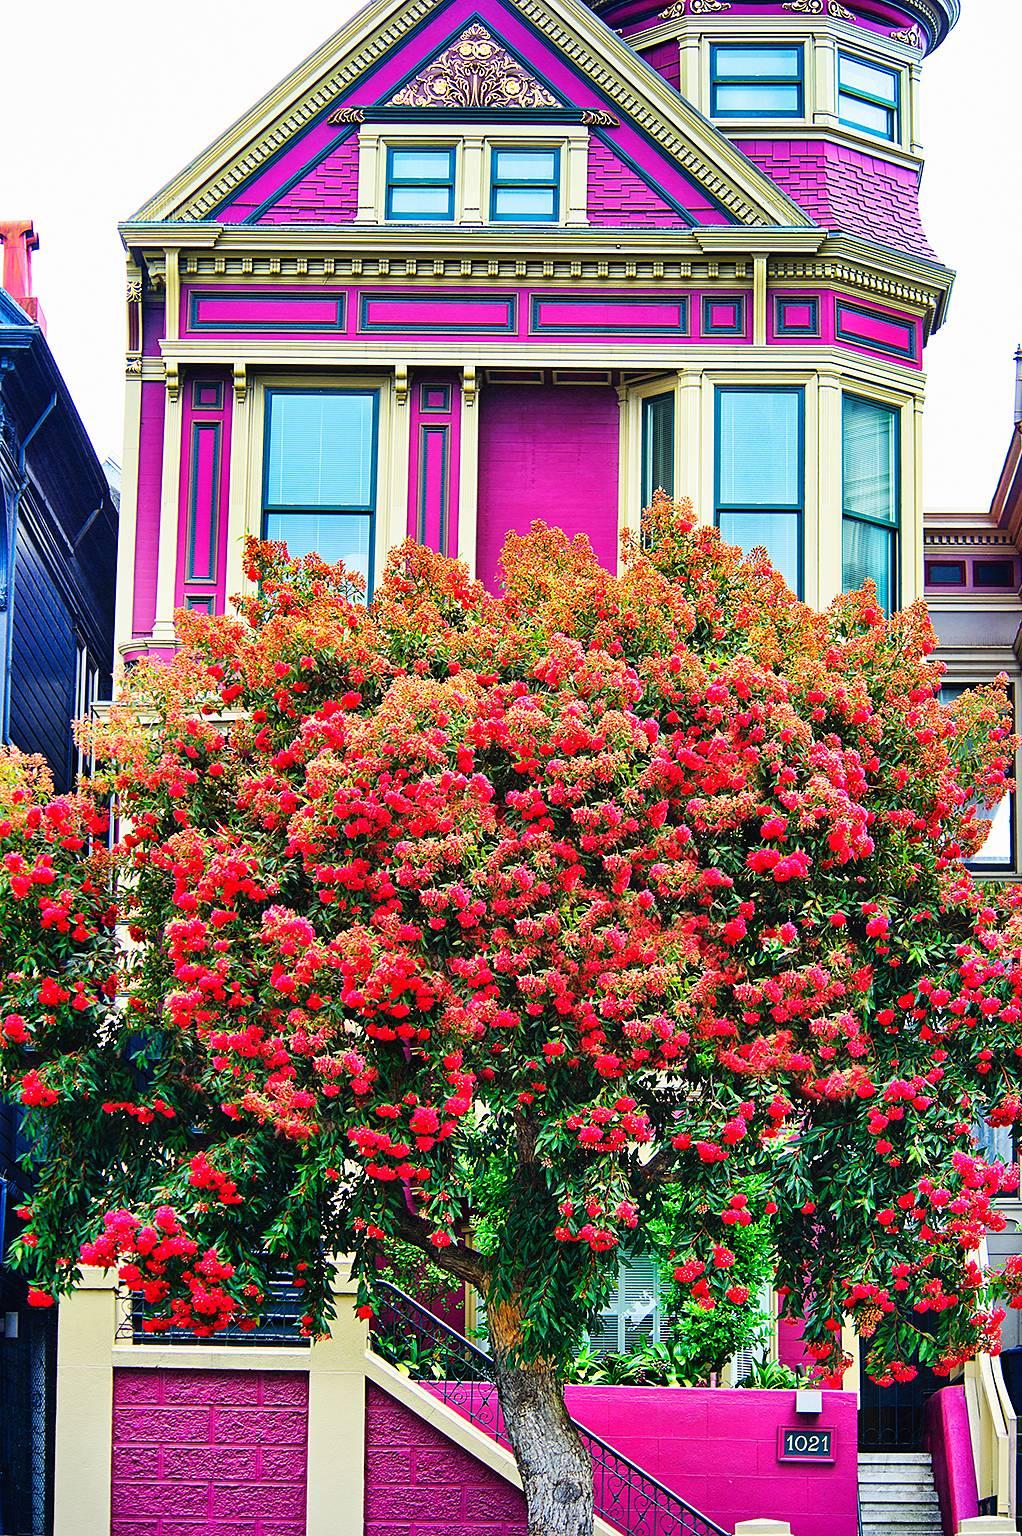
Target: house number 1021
point(806, 1445)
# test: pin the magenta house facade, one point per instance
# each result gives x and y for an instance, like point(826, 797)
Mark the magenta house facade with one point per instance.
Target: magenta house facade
point(472, 263)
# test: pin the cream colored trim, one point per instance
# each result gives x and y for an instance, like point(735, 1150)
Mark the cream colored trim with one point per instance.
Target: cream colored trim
point(829, 488)
point(337, 1393)
point(85, 1395)
point(243, 458)
point(172, 296)
point(468, 471)
point(759, 301)
point(213, 1357)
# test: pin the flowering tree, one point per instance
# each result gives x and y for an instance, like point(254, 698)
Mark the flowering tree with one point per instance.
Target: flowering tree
point(545, 919)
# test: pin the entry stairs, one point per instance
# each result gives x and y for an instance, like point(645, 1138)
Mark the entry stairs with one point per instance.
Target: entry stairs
point(896, 1494)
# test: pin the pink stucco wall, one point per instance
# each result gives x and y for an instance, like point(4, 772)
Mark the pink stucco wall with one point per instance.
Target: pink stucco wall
point(419, 1484)
point(209, 1453)
point(551, 453)
point(949, 1442)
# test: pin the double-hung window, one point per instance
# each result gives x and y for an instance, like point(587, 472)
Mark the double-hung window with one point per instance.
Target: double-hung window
point(420, 183)
point(868, 97)
point(997, 855)
point(319, 477)
point(657, 446)
point(525, 186)
point(759, 473)
point(870, 498)
point(756, 82)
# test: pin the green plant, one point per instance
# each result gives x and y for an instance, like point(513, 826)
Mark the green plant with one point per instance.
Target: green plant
point(771, 1375)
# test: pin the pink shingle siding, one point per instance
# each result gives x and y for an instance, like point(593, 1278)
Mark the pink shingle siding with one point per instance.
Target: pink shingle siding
point(617, 196)
point(847, 190)
point(328, 194)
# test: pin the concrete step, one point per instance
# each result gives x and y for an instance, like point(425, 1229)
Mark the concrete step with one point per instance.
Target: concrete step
point(906, 1518)
point(894, 1458)
point(908, 1477)
point(892, 1493)
point(870, 1528)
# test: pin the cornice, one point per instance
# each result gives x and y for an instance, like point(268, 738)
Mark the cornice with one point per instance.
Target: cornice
point(935, 17)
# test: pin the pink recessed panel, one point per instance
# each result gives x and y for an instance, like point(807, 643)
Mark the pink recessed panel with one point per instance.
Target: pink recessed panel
point(261, 312)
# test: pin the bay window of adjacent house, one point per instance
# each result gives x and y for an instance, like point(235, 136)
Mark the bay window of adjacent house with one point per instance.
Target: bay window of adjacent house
point(870, 497)
point(420, 183)
point(319, 478)
point(868, 97)
point(997, 855)
point(748, 81)
point(759, 473)
point(657, 446)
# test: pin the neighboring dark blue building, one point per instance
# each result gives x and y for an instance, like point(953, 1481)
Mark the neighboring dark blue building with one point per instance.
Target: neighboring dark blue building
point(58, 558)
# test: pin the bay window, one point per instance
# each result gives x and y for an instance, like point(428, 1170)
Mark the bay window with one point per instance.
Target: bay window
point(868, 97)
point(997, 855)
point(759, 473)
point(870, 497)
point(748, 81)
point(319, 474)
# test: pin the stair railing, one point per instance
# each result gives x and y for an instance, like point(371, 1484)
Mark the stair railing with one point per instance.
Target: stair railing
point(461, 1375)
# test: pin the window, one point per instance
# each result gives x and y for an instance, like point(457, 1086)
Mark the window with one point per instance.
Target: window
point(759, 473)
point(420, 183)
point(868, 97)
point(870, 500)
point(319, 479)
point(998, 852)
point(994, 573)
point(633, 1310)
point(755, 82)
point(86, 694)
point(657, 446)
point(945, 573)
point(525, 186)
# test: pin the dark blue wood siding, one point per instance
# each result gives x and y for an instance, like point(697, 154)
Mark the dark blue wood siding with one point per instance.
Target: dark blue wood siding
point(42, 663)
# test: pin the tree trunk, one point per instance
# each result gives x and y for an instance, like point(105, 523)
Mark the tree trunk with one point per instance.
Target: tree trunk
point(555, 1467)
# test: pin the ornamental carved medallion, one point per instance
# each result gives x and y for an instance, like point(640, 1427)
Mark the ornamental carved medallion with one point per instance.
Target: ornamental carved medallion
point(474, 71)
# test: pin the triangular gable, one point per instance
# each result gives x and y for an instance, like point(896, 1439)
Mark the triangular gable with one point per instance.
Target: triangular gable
point(558, 44)
point(475, 71)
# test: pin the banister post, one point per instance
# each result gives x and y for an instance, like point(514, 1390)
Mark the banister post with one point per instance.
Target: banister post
point(763, 1528)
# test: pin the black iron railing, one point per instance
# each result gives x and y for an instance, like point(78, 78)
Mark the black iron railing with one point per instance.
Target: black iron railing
point(461, 1375)
point(279, 1325)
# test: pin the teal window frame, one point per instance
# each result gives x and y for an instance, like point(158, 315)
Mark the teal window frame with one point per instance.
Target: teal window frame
point(752, 81)
point(658, 416)
point(499, 183)
point(752, 509)
point(857, 93)
point(403, 182)
point(891, 525)
point(363, 509)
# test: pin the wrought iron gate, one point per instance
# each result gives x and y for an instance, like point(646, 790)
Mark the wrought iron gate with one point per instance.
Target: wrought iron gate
point(28, 1364)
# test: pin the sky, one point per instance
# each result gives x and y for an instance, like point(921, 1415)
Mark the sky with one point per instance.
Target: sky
point(103, 103)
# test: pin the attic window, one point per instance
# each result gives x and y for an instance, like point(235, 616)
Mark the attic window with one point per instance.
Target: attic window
point(420, 183)
point(994, 573)
point(755, 82)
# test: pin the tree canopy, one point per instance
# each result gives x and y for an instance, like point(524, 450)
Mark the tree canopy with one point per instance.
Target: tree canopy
point(511, 927)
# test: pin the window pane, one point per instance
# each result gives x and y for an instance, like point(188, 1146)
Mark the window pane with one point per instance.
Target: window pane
point(863, 114)
point(758, 63)
point(759, 453)
point(332, 535)
point(997, 851)
point(420, 165)
point(756, 100)
point(856, 75)
point(525, 164)
point(421, 200)
point(657, 446)
point(867, 551)
point(321, 449)
point(869, 459)
point(525, 202)
point(776, 532)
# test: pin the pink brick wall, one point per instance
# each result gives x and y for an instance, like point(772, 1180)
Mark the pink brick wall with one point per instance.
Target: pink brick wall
point(617, 196)
point(327, 195)
point(209, 1453)
point(845, 189)
point(419, 1484)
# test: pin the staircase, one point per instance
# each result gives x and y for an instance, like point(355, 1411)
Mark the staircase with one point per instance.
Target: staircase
point(896, 1494)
